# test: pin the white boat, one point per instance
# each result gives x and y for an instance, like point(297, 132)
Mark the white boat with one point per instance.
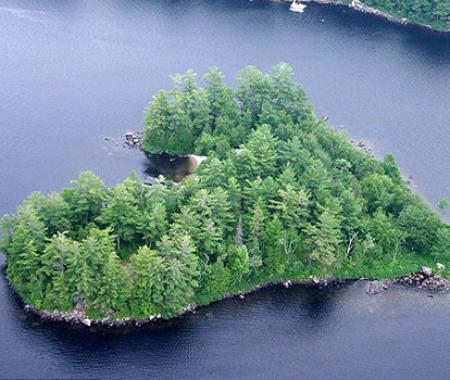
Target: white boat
point(297, 6)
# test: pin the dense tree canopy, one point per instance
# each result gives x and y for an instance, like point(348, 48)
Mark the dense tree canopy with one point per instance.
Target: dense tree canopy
point(294, 200)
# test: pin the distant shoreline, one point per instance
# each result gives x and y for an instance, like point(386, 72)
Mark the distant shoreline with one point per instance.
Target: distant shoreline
point(363, 8)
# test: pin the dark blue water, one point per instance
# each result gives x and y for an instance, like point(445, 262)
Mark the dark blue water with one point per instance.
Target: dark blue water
point(75, 72)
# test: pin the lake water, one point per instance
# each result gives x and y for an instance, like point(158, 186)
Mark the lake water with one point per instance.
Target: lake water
point(73, 73)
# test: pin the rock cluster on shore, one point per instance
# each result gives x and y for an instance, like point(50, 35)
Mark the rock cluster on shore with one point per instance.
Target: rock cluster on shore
point(378, 286)
point(133, 139)
point(363, 146)
point(77, 317)
point(426, 279)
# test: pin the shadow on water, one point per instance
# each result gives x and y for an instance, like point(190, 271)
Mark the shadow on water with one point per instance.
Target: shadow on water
point(172, 167)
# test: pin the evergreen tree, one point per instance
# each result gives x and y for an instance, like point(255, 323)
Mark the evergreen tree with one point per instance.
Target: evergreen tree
point(419, 227)
point(239, 263)
point(159, 124)
point(122, 213)
point(252, 91)
point(224, 115)
point(147, 293)
point(23, 243)
point(323, 241)
point(58, 281)
point(85, 199)
point(113, 288)
point(256, 235)
point(441, 247)
point(53, 210)
point(179, 271)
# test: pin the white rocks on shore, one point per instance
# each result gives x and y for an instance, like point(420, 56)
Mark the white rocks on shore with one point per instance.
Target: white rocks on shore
point(426, 271)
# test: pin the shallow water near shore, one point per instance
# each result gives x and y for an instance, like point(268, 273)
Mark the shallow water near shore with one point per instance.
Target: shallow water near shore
point(76, 72)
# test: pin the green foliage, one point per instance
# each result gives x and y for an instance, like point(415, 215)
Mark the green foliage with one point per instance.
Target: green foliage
point(441, 247)
point(239, 263)
point(174, 120)
point(296, 199)
point(443, 205)
point(85, 199)
point(420, 226)
point(323, 241)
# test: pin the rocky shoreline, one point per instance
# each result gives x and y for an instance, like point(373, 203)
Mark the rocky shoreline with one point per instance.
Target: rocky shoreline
point(78, 317)
point(423, 280)
point(359, 6)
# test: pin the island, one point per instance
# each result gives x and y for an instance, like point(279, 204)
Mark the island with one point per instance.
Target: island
point(281, 198)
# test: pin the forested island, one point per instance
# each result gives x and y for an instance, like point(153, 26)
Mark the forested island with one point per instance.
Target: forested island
point(281, 197)
point(431, 13)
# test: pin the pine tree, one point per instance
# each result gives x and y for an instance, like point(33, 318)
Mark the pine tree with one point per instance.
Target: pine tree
point(122, 214)
point(85, 199)
point(441, 247)
point(284, 93)
point(351, 214)
point(147, 292)
point(24, 244)
point(180, 273)
point(256, 234)
point(152, 223)
point(276, 258)
point(159, 124)
point(239, 263)
point(223, 110)
point(113, 288)
point(292, 207)
point(262, 146)
point(60, 285)
point(323, 241)
point(252, 91)
point(53, 210)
